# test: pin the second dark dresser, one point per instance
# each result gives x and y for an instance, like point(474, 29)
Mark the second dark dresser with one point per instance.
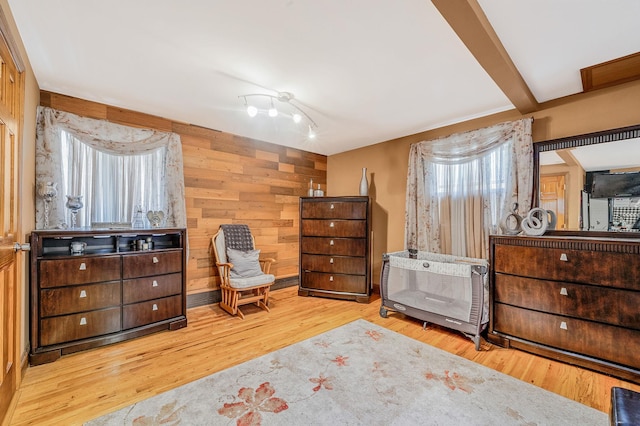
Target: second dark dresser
point(335, 247)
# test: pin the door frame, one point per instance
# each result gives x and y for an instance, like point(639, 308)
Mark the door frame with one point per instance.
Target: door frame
point(12, 52)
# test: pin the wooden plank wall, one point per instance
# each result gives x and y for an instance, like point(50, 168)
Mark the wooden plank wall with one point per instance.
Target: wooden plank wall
point(228, 179)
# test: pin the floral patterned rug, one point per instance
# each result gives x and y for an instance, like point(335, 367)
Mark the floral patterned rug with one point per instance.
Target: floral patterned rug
point(357, 374)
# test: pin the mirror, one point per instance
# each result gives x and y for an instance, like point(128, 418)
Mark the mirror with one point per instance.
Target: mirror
point(118, 173)
point(566, 170)
point(113, 187)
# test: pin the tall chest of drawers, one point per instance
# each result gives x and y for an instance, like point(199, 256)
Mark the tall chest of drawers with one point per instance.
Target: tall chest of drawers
point(335, 247)
point(107, 293)
point(574, 299)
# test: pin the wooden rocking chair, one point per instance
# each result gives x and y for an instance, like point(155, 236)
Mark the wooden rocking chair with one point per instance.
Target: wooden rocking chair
point(245, 277)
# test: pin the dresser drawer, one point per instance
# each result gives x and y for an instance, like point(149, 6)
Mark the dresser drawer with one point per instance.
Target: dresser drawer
point(614, 344)
point(334, 228)
point(334, 264)
point(602, 304)
point(68, 328)
point(334, 246)
point(154, 287)
point(334, 210)
point(79, 298)
point(594, 267)
point(80, 270)
point(152, 263)
point(143, 313)
point(334, 282)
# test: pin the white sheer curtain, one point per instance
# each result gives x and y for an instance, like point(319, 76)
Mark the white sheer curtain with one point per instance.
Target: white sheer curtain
point(119, 183)
point(459, 187)
point(114, 168)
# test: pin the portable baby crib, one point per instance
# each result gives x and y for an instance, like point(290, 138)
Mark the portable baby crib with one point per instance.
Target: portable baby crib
point(450, 291)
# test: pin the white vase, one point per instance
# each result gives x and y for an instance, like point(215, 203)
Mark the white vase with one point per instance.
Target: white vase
point(364, 183)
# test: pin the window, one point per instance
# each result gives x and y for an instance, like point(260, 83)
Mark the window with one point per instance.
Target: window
point(486, 178)
point(459, 187)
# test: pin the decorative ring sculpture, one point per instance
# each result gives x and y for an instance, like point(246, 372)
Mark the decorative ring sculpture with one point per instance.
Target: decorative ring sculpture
point(511, 224)
point(552, 220)
point(536, 222)
point(155, 218)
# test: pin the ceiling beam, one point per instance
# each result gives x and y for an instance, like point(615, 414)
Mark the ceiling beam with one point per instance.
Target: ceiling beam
point(471, 25)
point(567, 156)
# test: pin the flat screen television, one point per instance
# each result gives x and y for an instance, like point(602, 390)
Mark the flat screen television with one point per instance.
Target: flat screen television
point(610, 185)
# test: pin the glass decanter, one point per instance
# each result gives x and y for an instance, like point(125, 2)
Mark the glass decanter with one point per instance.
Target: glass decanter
point(48, 191)
point(74, 203)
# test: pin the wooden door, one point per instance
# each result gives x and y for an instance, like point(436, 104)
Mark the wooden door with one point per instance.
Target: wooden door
point(552, 197)
point(11, 104)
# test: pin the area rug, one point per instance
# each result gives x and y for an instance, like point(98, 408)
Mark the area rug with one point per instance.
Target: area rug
point(357, 374)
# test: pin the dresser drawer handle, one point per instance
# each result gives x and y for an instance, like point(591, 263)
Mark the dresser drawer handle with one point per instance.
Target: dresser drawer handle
point(83, 294)
point(331, 242)
point(331, 206)
point(155, 260)
point(331, 278)
point(155, 307)
point(425, 265)
point(331, 225)
point(563, 291)
point(563, 325)
point(83, 267)
point(83, 321)
point(154, 284)
point(331, 260)
point(563, 257)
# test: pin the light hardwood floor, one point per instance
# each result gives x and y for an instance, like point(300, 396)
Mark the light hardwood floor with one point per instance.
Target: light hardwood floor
point(82, 386)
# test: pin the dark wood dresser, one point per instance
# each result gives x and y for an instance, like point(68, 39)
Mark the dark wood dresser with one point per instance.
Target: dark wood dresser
point(335, 247)
point(108, 293)
point(574, 299)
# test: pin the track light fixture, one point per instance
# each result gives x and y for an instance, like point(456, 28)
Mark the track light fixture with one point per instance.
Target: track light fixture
point(296, 113)
point(273, 112)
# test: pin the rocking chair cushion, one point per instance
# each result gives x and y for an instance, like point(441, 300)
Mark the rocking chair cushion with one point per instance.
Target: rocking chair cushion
point(263, 279)
point(245, 263)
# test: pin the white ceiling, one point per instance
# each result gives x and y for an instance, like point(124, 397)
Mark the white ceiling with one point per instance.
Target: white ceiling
point(622, 154)
point(366, 71)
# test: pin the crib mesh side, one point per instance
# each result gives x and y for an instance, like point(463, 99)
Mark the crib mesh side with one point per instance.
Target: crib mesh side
point(443, 294)
point(384, 278)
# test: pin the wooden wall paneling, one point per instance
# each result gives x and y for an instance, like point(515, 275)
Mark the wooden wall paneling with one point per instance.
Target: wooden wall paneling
point(228, 179)
point(128, 117)
point(73, 105)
